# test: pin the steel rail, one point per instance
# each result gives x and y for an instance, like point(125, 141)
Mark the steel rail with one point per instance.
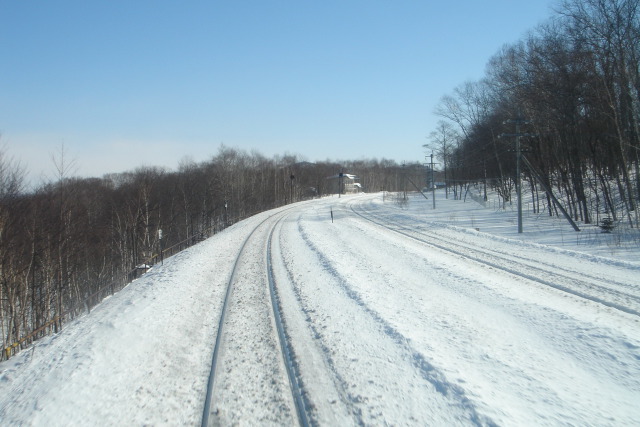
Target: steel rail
point(292, 373)
point(219, 334)
point(296, 389)
point(462, 250)
point(526, 261)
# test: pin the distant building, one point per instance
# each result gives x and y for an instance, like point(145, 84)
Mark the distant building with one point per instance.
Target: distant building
point(344, 183)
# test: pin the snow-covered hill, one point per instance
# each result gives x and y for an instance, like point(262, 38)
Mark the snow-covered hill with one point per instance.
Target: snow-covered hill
point(393, 313)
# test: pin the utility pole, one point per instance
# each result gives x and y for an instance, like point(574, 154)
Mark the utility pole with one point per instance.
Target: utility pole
point(433, 184)
point(161, 248)
point(518, 121)
point(518, 179)
point(404, 181)
point(291, 177)
point(484, 166)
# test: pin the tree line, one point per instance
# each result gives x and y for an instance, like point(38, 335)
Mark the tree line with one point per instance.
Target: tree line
point(573, 87)
point(67, 244)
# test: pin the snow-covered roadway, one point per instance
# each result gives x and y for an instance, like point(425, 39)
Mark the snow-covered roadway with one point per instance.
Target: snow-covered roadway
point(389, 319)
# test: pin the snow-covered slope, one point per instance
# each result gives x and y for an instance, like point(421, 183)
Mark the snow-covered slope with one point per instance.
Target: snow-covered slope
point(394, 314)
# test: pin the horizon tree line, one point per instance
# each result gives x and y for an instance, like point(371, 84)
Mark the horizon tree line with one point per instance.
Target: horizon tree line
point(68, 243)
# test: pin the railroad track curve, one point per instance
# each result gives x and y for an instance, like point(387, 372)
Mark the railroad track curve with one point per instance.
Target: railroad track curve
point(608, 291)
point(253, 375)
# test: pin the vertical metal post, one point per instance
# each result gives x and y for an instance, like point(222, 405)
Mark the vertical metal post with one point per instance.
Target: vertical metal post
point(518, 121)
point(433, 184)
point(291, 177)
point(518, 180)
point(404, 181)
point(484, 166)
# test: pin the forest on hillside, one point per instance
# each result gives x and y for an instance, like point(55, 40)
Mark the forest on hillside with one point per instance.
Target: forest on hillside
point(569, 94)
point(69, 243)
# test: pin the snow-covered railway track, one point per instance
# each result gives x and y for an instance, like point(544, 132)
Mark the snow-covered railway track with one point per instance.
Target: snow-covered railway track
point(252, 377)
point(596, 288)
point(292, 371)
point(358, 368)
point(523, 257)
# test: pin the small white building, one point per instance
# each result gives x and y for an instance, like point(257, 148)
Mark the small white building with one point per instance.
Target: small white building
point(345, 183)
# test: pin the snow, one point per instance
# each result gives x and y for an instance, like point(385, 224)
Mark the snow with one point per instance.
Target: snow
point(395, 313)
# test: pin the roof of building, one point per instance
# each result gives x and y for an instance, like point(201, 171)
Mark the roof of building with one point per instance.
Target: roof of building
point(343, 175)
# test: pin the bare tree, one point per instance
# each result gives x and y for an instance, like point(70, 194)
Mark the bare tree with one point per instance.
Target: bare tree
point(444, 140)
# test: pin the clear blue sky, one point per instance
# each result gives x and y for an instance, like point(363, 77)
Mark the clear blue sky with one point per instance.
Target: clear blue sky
point(128, 83)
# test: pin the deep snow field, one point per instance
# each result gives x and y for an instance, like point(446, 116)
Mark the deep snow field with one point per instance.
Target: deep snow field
point(396, 314)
